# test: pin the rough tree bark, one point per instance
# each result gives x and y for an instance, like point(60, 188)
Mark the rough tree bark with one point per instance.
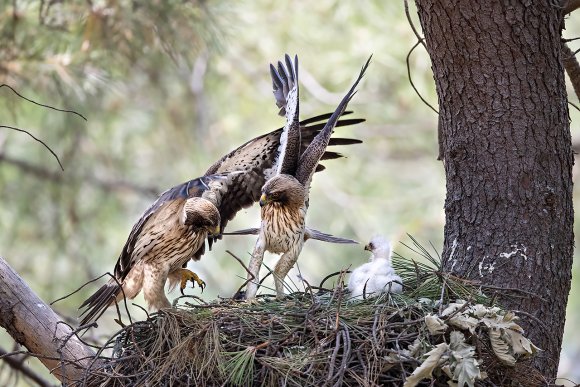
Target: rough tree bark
point(507, 154)
point(34, 324)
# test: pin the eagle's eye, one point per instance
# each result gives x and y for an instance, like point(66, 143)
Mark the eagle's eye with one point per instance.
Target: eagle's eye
point(275, 195)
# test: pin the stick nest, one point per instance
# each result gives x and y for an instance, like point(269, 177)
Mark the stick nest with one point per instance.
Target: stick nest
point(322, 337)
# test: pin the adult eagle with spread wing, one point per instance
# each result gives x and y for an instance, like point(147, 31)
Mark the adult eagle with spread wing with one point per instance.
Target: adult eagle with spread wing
point(284, 198)
point(173, 229)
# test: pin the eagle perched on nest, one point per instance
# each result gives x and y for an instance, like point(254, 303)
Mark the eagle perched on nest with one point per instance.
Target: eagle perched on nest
point(174, 228)
point(284, 198)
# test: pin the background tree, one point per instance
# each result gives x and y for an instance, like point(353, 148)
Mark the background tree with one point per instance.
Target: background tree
point(506, 147)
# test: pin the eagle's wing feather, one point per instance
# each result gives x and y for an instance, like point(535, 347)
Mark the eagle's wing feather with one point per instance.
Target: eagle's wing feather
point(177, 194)
point(268, 142)
point(256, 161)
point(286, 92)
point(142, 238)
point(312, 155)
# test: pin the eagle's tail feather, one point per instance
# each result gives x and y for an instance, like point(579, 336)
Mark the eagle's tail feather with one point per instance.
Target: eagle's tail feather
point(309, 234)
point(247, 231)
point(321, 236)
point(100, 301)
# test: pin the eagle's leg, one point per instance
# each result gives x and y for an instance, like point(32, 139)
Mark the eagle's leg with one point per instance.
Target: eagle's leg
point(285, 263)
point(254, 270)
point(186, 275)
point(154, 278)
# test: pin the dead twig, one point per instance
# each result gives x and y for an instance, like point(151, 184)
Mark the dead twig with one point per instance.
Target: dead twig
point(572, 67)
point(247, 281)
point(408, 61)
point(36, 139)
point(41, 104)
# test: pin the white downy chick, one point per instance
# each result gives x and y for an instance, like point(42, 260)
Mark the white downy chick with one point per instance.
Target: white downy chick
point(358, 279)
point(377, 275)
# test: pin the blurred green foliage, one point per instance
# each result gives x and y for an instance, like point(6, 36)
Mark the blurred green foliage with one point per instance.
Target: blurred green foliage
point(168, 87)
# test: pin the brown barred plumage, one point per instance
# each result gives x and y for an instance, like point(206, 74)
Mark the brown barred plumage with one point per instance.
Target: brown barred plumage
point(284, 197)
point(160, 244)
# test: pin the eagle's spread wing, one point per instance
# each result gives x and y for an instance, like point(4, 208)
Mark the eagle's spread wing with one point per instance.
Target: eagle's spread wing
point(256, 160)
point(283, 82)
point(286, 92)
point(315, 151)
point(284, 197)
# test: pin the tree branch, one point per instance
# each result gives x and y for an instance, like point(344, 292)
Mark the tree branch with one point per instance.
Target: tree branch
point(18, 365)
point(106, 185)
point(34, 325)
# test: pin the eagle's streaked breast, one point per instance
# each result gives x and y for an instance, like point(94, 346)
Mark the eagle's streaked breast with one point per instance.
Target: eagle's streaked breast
point(282, 227)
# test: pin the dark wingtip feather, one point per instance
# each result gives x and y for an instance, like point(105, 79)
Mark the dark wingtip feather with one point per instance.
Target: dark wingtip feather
point(351, 93)
point(309, 159)
point(330, 156)
point(313, 129)
point(323, 118)
point(350, 121)
point(292, 68)
point(283, 74)
point(296, 66)
point(344, 141)
point(276, 81)
point(278, 90)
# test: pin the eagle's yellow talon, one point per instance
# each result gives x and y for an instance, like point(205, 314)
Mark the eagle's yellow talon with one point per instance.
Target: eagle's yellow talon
point(188, 275)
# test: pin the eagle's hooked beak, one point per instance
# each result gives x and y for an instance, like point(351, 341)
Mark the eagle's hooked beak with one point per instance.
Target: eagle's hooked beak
point(368, 247)
point(263, 200)
point(214, 231)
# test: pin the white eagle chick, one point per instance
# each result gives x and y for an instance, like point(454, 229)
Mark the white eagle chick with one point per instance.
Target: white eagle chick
point(376, 276)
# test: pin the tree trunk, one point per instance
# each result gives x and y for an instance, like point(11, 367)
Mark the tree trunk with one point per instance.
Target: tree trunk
point(34, 324)
point(506, 146)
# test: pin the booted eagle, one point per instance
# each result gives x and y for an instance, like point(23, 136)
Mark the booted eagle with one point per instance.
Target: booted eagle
point(173, 229)
point(284, 198)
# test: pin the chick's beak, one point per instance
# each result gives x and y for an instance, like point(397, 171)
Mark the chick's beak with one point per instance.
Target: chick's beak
point(214, 231)
point(368, 247)
point(263, 200)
